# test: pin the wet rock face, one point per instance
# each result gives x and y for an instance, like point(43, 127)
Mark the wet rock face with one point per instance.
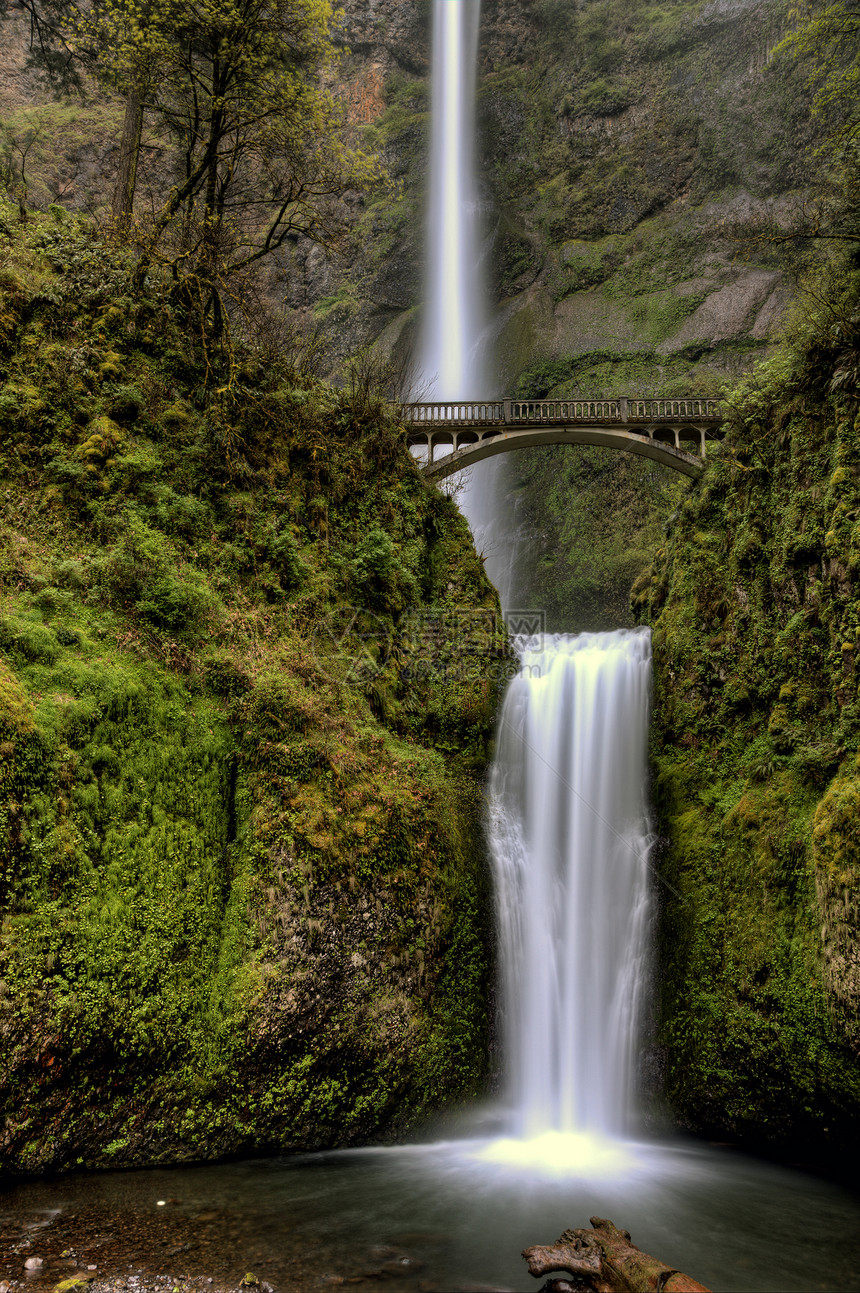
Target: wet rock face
point(589, 128)
point(509, 32)
point(397, 32)
point(18, 87)
point(392, 32)
point(365, 96)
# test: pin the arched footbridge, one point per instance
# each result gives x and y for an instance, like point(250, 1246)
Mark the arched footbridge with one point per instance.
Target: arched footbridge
point(671, 431)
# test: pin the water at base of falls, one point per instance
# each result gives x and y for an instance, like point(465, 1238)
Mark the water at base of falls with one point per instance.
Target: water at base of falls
point(438, 1219)
point(570, 837)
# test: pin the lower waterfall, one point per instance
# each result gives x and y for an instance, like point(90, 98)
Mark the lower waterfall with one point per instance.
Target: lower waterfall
point(570, 837)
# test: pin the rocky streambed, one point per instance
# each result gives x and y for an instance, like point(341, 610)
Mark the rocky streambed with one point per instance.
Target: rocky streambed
point(168, 1244)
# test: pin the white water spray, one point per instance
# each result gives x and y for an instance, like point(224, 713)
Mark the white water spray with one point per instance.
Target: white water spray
point(570, 837)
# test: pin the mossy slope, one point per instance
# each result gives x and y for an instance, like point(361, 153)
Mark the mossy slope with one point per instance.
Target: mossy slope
point(756, 611)
point(246, 686)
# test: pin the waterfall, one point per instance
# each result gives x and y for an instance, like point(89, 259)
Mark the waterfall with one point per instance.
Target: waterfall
point(569, 825)
point(453, 361)
point(570, 838)
point(451, 364)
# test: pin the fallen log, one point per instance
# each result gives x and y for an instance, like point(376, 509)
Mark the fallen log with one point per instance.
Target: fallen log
point(605, 1260)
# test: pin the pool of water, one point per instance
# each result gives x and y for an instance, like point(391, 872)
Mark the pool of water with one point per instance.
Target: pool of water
point(451, 1215)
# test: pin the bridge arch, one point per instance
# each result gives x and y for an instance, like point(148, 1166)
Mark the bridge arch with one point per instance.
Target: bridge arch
point(673, 432)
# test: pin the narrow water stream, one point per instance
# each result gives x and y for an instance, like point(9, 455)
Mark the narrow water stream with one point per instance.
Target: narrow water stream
point(451, 362)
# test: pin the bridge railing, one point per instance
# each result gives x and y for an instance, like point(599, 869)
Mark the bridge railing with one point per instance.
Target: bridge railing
point(565, 411)
point(455, 413)
point(687, 409)
point(510, 412)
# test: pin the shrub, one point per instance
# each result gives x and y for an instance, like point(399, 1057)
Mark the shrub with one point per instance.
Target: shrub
point(178, 417)
point(70, 574)
point(51, 600)
point(174, 603)
point(110, 369)
point(224, 674)
point(126, 404)
point(373, 563)
point(141, 571)
point(36, 643)
point(104, 437)
point(284, 553)
point(181, 514)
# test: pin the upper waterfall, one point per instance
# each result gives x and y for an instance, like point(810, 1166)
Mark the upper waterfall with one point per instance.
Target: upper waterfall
point(451, 365)
point(453, 361)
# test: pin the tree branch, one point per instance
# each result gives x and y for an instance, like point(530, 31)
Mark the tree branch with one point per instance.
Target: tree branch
point(605, 1260)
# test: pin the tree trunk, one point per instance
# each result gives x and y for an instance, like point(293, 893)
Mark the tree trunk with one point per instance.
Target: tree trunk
point(604, 1260)
point(122, 204)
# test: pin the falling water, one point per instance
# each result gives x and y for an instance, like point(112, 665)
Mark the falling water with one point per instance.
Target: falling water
point(570, 830)
point(570, 836)
point(451, 362)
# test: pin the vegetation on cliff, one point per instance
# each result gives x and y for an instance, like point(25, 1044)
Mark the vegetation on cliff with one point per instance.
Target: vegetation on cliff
point(246, 688)
point(755, 604)
point(756, 617)
point(630, 152)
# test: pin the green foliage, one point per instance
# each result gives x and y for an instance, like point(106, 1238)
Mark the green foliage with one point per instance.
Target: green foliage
point(757, 728)
point(603, 98)
point(211, 822)
point(285, 555)
point(126, 404)
point(241, 90)
point(374, 566)
point(826, 40)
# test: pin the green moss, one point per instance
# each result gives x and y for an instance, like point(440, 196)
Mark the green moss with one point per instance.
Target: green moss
point(16, 711)
point(835, 840)
point(240, 858)
point(755, 738)
point(342, 301)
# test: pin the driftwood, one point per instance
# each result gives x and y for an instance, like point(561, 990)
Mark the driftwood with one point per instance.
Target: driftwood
point(604, 1260)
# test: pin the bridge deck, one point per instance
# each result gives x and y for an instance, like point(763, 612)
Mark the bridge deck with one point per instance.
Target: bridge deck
point(663, 429)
